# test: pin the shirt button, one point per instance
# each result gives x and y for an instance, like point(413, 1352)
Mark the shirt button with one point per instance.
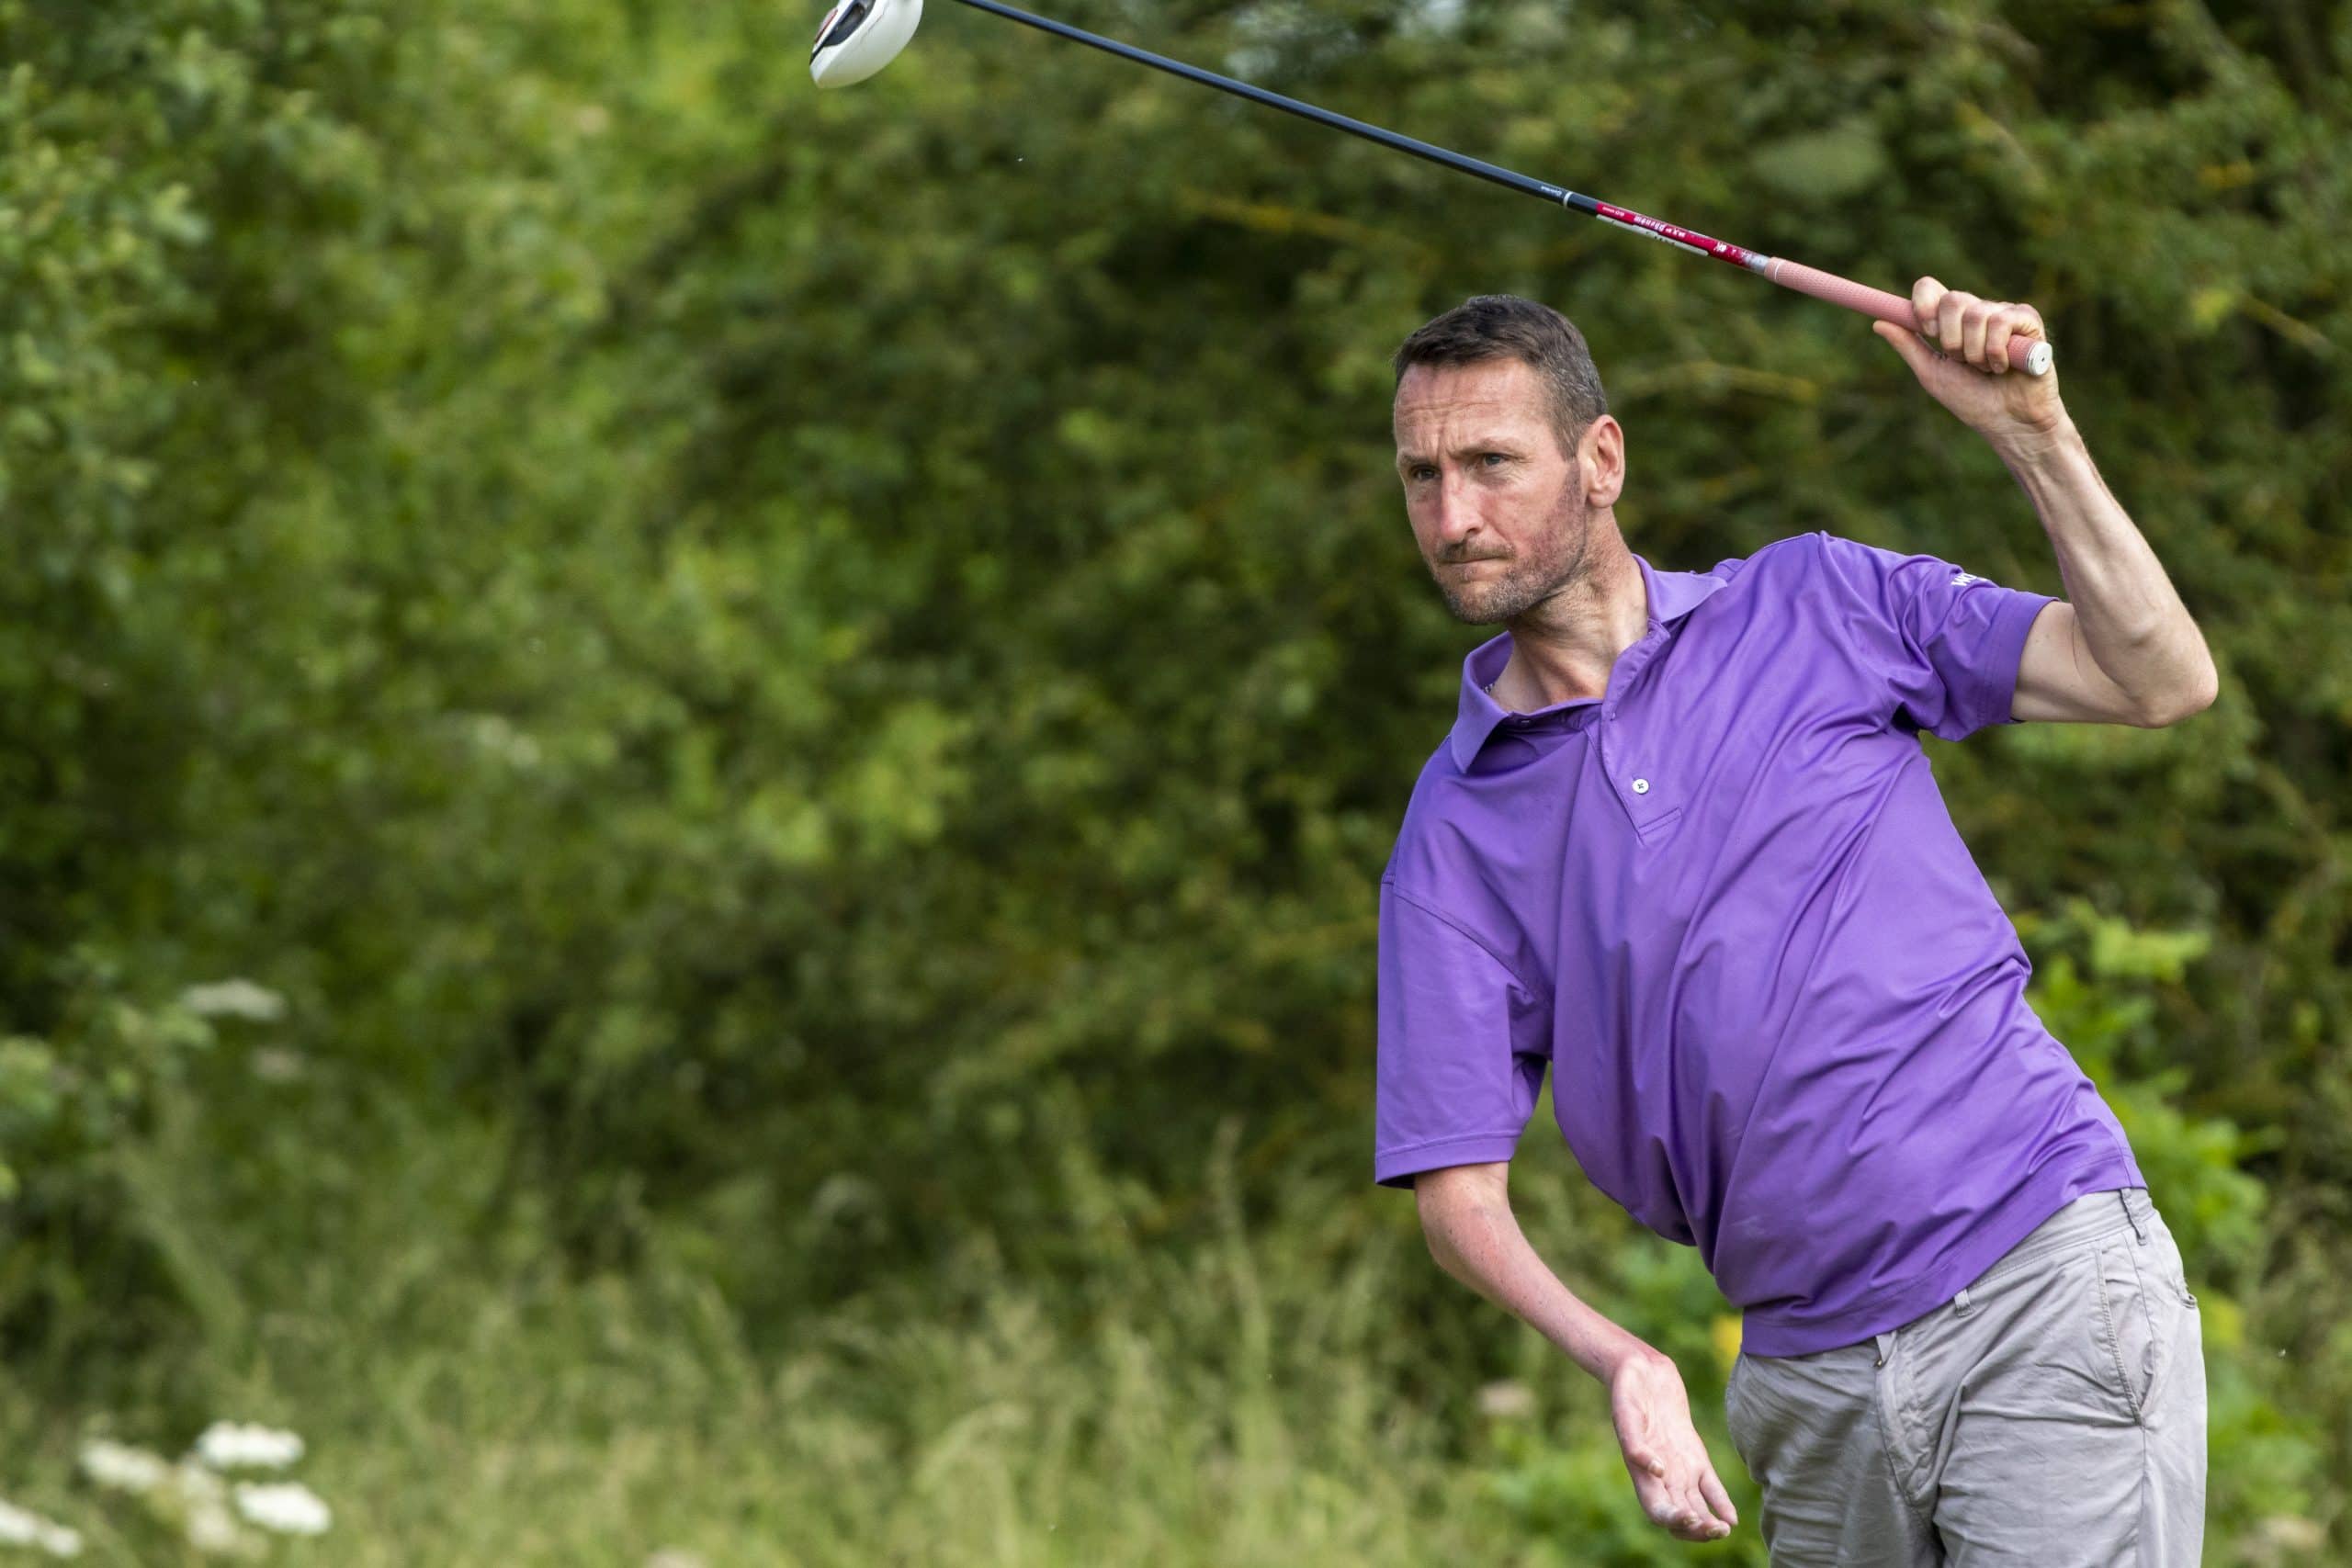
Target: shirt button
point(1641, 786)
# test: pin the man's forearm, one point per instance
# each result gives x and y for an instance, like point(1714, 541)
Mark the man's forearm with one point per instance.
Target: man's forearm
point(1480, 1244)
point(2133, 621)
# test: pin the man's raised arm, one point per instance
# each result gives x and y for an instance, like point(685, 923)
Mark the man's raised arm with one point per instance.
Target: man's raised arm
point(2121, 648)
point(1466, 1217)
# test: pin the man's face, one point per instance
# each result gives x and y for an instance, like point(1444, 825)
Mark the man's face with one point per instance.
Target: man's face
point(1498, 511)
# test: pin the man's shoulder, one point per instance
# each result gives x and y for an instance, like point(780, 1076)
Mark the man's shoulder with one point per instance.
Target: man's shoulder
point(1780, 566)
point(1435, 840)
point(1439, 866)
point(1796, 554)
point(1424, 808)
point(1797, 568)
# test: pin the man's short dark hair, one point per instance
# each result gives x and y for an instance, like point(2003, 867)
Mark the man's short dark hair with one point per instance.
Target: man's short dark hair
point(1504, 326)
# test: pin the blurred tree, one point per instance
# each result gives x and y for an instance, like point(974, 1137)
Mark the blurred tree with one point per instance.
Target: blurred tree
point(819, 663)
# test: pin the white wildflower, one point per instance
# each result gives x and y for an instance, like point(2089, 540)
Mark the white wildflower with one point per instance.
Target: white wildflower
point(286, 1507)
point(199, 1485)
point(671, 1557)
point(121, 1468)
point(226, 1444)
point(235, 999)
point(20, 1527)
point(1506, 1400)
point(214, 1531)
point(202, 1500)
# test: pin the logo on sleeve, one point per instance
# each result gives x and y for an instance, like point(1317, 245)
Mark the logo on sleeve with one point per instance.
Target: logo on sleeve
point(1964, 579)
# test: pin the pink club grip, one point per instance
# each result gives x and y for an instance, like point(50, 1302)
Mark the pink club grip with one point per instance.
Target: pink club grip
point(2031, 356)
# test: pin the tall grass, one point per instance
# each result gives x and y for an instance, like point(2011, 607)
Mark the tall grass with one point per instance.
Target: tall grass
point(1252, 1396)
point(1210, 1384)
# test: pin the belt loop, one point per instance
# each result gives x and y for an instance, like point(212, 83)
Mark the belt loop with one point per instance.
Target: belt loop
point(1886, 1347)
point(1963, 1302)
point(2123, 1196)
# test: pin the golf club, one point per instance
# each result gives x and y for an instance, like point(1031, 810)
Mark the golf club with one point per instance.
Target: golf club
point(859, 38)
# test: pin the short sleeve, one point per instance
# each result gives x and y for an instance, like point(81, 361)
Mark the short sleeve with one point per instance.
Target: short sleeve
point(1942, 642)
point(1461, 1050)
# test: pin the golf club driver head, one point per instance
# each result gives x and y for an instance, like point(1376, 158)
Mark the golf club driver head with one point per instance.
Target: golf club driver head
point(858, 38)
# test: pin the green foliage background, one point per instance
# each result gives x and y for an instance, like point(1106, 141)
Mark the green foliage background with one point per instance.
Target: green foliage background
point(802, 697)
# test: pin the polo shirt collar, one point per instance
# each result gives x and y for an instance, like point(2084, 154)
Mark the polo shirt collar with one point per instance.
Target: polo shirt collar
point(1671, 595)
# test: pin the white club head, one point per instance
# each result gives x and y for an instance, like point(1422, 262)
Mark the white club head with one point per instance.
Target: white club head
point(859, 37)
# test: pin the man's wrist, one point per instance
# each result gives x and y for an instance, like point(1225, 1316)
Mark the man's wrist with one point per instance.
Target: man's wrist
point(1623, 1347)
point(2037, 445)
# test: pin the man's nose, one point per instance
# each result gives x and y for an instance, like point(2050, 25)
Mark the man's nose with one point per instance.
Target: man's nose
point(1457, 510)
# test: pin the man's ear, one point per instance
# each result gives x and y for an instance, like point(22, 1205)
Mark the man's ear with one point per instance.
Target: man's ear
point(1601, 453)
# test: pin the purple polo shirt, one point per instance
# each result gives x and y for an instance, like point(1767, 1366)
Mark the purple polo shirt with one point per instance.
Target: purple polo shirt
point(1726, 905)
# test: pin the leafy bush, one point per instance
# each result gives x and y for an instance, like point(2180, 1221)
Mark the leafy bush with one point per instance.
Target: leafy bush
point(777, 670)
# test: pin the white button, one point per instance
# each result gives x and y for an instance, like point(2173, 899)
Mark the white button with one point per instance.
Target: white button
point(1641, 786)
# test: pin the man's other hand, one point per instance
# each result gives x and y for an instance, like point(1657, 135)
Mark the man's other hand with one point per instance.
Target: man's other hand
point(1960, 354)
point(1672, 1475)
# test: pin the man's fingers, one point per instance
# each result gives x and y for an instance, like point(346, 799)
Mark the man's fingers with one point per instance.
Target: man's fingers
point(1975, 321)
point(1710, 1519)
point(1669, 1507)
point(1717, 1496)
point(1951, 316)
point(1925, 296)
point(1677, 1519)
point(1998, 330)
point(1954, 324)
point(1680, 1508)
point(2014, 321)
point(1657, 1501)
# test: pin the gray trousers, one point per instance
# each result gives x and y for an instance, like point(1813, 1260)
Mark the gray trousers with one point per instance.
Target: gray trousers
point(2054, 1412)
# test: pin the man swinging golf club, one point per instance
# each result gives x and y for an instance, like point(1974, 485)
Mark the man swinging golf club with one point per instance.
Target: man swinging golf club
point(1684, 848)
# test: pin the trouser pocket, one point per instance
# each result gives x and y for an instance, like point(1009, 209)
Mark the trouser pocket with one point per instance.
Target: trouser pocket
point(2140, 1299)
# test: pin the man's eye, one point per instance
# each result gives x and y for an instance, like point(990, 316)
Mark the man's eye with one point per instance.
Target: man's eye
point(1497, 457)
point(1424, 472)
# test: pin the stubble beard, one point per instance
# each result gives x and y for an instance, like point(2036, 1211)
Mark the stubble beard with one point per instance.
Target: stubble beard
point(1558, 560)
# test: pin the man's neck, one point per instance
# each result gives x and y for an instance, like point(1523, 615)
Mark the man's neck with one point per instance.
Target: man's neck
point(1565, 648)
